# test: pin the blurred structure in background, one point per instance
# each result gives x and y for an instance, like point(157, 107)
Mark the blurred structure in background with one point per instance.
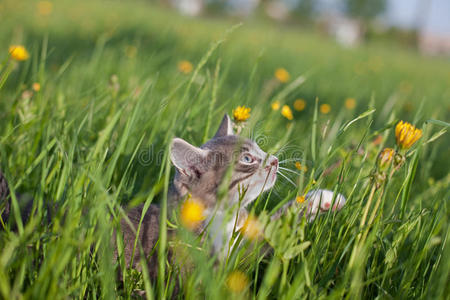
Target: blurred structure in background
point(189, 7)
point(423, 24)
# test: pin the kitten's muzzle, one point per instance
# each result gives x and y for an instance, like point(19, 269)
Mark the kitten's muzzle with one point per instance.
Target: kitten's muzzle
point(272, 163)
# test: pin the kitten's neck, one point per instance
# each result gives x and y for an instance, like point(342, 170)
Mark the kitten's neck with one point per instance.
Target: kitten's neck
point(175, 194)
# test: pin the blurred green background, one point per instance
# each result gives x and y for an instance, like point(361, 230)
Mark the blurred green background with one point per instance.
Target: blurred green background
point(147, 39)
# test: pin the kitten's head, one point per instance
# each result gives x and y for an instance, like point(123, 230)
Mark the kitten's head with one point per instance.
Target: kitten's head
point(200, 170)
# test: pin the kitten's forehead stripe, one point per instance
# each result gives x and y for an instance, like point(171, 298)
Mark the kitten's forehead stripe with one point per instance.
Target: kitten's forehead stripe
point(246, 168)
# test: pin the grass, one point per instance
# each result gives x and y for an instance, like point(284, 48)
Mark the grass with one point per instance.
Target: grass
point(96, 136)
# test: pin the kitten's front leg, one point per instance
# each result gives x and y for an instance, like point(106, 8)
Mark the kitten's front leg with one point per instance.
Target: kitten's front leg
point(222, 231)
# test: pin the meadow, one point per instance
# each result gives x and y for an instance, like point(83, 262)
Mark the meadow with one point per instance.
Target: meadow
point(85, 126)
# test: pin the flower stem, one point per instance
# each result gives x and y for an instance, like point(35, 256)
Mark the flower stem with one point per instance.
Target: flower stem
point(369, 202)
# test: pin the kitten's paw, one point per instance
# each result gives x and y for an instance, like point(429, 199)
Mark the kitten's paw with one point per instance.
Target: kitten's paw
point(320, 201)
point(317, 202)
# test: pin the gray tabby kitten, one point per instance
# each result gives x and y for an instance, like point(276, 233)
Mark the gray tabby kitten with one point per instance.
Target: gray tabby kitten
point(200, 172)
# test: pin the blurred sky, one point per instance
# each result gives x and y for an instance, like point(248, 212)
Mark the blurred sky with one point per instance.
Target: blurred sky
point(433, 14)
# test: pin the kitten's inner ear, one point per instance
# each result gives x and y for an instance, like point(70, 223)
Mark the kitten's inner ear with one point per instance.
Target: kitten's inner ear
point(186, 158)
point(225, 128)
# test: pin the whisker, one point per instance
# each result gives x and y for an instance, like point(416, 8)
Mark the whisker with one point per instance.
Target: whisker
point(287, 178)
point(289, 170)
point(274, 191)
point(290, 159)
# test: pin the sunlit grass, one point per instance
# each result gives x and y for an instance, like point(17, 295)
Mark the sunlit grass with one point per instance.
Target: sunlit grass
point(114, 88)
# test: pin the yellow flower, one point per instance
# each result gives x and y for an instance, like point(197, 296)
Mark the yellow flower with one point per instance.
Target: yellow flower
point(299, 104)
point(241, 113)
point(275, 105)
point(287, 112)
point(185, 67)
point(237, 281)
point(325, 108)
point(350, 103)
point(300, 167)
point(385, 157)
point(44, 8)
point(18, 52)
point(300, 199)
point(406, 134)
point(252, 228)
point(36, 87)
point(282, 75)
point(192, 213)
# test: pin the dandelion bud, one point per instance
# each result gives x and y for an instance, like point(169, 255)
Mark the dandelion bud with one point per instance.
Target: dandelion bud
point(399, 160)
point(385, 158)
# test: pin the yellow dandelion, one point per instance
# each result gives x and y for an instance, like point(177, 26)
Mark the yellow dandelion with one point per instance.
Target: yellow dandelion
point(350, 103)
point(282, 75)
point(406, 134)
point(237, 281)
point(44, 8)
point(385, 158)
point(299, 104)
point(300, 199)
point(36, 87)
point(18, 52)
point(300, 167)
point(192, 213)
point(241, 113)
point(275, 105)
point(325, 108)
point(287, 112)
point(252, 228)
point(185, 67)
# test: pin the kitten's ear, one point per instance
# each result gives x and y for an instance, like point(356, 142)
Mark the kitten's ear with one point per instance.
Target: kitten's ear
point(187, 158)
point(225, 128)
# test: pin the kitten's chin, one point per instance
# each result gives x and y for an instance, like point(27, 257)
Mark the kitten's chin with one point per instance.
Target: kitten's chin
point(269, 180)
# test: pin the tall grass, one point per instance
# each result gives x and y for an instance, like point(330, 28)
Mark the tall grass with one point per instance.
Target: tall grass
point(94, 139)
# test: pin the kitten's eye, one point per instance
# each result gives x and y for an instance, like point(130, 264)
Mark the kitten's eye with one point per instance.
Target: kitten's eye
point(246, 158)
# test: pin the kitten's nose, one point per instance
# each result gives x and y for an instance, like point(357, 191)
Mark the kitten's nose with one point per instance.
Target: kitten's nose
point(273, 161)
